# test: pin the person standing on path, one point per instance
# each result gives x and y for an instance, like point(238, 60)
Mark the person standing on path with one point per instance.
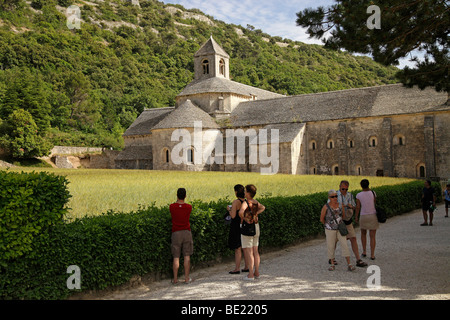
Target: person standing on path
point(330, 216)
point(234, 237)
point(365, 208)
point(428, 203)
point(446, 195)
point(181, 241)
point(347, 202)
point(250, 210)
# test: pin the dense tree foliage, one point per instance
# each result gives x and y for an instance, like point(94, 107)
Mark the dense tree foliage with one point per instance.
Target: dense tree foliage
point(404, 27)
point(86, 86)
point(20, 138)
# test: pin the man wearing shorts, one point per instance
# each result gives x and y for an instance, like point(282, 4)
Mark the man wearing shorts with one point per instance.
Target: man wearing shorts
point(181, 235)
point(348, 204)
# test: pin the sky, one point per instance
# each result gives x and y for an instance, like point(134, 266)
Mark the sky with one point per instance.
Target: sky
point(276, 18)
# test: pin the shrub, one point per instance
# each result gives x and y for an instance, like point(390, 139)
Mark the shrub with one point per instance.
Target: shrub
point(109, 249)
point(30, 203)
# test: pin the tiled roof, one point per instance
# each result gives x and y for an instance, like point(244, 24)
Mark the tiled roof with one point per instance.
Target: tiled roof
point(222, 85)
point(211, 47)
point(147, 120)
point(353, 103)
point(184, 117)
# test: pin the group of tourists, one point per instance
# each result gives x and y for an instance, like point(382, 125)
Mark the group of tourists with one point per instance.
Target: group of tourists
point(244, 232)
point(336, 215)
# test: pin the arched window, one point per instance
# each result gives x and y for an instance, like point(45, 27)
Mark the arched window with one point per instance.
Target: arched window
point(330, 144)
point(373, 141)
point(166, 155)
point(358, 170)
point(313, 145)
point(190, 155)
point(313, 170)
point(335, 170)
point(205, 64)
point(399, 140)
point(222, 67)
point(421, 171)
point(351, 143)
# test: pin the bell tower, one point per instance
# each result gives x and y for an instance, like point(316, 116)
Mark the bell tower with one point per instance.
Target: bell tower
point(211, 61)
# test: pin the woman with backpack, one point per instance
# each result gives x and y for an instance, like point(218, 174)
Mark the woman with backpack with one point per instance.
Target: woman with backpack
point(249, 212)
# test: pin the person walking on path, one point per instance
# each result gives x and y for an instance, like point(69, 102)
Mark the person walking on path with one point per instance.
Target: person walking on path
point(348, 204)
point(181, 241)
point(446, 195)
point(249, 212)
point(365, 209)
point(234, 237)
point(331, 216)
point(428, 203)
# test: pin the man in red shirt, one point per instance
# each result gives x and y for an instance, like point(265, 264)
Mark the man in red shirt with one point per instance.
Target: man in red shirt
point(181, 235)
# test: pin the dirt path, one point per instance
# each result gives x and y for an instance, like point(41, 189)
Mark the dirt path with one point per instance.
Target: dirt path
point(412, 262)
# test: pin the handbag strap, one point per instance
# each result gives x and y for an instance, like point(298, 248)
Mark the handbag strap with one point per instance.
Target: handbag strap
point(374, 198)
point(332, 214)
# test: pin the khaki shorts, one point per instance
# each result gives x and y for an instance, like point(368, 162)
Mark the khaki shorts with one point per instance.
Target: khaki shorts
point(182, 243)
point(368, 222)
point(249, 242)
point(351, 231)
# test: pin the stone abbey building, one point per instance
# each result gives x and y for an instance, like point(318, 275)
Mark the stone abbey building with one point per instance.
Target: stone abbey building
point(385, 130)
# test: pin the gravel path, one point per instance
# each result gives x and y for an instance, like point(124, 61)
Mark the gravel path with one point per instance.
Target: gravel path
point(413, 262)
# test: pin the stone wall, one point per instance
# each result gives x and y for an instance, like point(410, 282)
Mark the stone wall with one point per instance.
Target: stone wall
point(103, 160)
point(394, 146)
point(62, 150)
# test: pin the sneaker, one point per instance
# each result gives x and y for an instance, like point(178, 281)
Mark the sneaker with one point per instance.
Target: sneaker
point(424, 224)
point(246, 278)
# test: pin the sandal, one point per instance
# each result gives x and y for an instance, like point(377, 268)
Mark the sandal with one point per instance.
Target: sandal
point(350, 267)
point(331, 268)
point(334, 260)
point(361, 263)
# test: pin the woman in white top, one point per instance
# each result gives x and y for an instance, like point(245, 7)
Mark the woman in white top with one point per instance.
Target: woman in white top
point(365, 207)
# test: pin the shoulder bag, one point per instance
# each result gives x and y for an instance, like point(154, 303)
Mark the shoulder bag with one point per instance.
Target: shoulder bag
point(381, 213)
point(341, 225)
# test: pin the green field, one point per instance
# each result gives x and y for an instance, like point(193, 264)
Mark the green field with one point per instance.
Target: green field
point(95, 191)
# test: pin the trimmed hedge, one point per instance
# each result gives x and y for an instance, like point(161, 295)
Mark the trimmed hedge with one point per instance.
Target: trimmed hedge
point(111, 248)
point(30, 203)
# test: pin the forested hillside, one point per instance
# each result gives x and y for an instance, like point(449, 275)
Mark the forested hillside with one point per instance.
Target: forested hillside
point(86, 86)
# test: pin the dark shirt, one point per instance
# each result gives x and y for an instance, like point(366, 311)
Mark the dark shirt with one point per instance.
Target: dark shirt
point(428, 195)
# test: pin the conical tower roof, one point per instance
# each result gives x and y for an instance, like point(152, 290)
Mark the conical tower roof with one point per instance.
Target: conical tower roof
point(184, 117)
point(211, 47)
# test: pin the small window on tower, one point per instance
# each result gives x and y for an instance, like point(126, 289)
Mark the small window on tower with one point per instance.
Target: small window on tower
point(222, 67)
point(205, 64)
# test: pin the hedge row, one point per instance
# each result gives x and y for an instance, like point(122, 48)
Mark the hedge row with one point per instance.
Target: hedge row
point(111, 248)
point(30, 204)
